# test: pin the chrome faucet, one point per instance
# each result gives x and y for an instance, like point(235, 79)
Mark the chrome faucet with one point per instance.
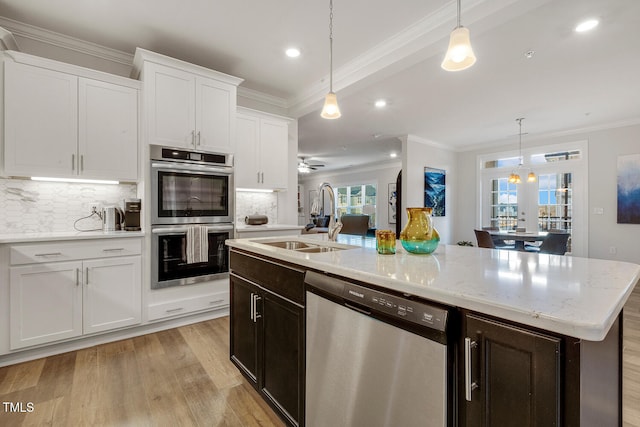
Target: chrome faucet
point(334, 225)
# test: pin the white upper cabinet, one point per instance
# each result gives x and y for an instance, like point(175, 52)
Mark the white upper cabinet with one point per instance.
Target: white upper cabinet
point(41, 121)
point(108, 130)
point(61, 123)
point(185, 105)
point(262, 150)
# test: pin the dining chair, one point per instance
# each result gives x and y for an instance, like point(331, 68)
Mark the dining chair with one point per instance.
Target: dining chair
point(485, 240)
point(555, 243)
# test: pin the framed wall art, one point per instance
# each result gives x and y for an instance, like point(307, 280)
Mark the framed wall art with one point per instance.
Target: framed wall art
point(629, 189)
point(434, 190)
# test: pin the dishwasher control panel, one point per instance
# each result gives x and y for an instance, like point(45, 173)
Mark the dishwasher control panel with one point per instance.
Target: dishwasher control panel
point(411, 311)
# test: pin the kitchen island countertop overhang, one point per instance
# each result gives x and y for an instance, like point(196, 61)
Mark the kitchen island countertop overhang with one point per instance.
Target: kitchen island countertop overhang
point(578, 297)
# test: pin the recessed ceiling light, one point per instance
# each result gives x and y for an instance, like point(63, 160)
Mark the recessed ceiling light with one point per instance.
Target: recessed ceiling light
point(380, 103)
point(293, 52)
point(393, 155)
point(587, 25)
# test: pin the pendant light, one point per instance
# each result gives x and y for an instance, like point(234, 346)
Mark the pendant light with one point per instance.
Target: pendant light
point(459, 55)
point(514, 178)
point(330, 109)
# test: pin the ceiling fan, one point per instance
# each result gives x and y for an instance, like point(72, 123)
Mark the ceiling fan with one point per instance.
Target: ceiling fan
point(305, 167)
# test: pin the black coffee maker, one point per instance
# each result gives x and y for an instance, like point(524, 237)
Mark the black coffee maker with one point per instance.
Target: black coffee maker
point(132, 208)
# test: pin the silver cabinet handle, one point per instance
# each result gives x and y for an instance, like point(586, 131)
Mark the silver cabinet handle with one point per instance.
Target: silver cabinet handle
point(261, 177)
point(252, 308)
point(193, 137)
point(73, 162)
point(198, 140)
point(258, 177)
point(218, 301)
point(77, 277)
point(81, 162)
point(256, 316)
point(469, 386)
point(173, 310)
point(50, 254)
point(113, 250)
point(86, 277)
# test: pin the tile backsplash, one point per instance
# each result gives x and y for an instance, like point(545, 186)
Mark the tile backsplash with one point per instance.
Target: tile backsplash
point(37, 207)
point(251, 203)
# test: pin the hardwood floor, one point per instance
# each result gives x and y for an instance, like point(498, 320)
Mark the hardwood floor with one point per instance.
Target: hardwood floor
point(183, 377)
point(179, 377)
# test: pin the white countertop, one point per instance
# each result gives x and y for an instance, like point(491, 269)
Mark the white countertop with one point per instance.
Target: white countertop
point(66, 235)
point(578, 297)
point(267, 227)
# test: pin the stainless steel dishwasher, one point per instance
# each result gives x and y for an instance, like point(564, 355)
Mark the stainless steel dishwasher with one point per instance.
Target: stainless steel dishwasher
point(375, 359)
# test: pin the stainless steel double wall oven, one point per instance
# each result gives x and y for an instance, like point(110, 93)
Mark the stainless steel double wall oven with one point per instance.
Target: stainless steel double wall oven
point(189, 188)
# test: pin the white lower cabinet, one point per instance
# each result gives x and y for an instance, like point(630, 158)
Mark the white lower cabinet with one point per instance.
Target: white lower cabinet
point(46, 303)
point(52, 301)
point(111, 294)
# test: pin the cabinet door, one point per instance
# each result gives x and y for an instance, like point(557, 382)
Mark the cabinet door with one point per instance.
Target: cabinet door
point(517, 373)
point(247, 152)
point(274, 153)
point(283, 354)
point(112, 293)
point(170, 106)
point(45, 303)
point(215, 113)
point(108, 131)
point(41, 121)
point(244, 335)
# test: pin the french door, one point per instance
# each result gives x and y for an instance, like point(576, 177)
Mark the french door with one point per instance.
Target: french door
point(555, 200)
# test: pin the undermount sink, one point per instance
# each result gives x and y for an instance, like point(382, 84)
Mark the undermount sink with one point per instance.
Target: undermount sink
point(316, 249)
point(295, 245)
point(290, 244)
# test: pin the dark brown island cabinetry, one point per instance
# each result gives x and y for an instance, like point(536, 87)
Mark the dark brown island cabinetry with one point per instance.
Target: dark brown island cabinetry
point(267, 331)
point(516, 376)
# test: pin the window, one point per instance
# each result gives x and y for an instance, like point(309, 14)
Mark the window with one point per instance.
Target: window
point(554, 202)
point(357, 199)
point(504, 204)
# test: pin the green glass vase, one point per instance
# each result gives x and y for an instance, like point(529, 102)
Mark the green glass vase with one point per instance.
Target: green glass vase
point(419, 236)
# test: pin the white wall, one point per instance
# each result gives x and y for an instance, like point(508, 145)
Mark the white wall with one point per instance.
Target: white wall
point(380, 175)
point(604, 148)
point(417, 154)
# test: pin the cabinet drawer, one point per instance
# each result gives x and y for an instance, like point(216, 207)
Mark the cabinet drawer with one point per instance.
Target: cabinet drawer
point(188, 305)
point(77, 250)
point(275, 276)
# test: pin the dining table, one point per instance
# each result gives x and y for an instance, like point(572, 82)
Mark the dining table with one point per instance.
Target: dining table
point(520, 237)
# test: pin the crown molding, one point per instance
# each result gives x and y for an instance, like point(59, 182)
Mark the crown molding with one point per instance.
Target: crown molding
point(66, 42)
point(262, 97)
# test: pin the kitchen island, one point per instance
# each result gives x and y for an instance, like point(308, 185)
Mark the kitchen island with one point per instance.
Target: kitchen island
point(571, 304)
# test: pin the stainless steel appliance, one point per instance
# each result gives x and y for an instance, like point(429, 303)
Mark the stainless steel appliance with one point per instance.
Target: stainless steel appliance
point(132, 209)
point(375, 359)
point(112, 218)
point(169, 266)
point(190, 186)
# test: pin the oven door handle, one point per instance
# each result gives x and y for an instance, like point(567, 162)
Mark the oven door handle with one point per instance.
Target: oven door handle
point(183, 229)
point(208, 169)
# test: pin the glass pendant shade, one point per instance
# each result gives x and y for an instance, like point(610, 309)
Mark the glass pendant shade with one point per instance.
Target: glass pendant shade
point(330, 109)
point(514, 178)
point(531, 177)
point(460, 55)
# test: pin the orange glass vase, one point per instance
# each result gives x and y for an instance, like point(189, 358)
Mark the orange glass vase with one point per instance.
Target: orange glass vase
point(419, 236)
